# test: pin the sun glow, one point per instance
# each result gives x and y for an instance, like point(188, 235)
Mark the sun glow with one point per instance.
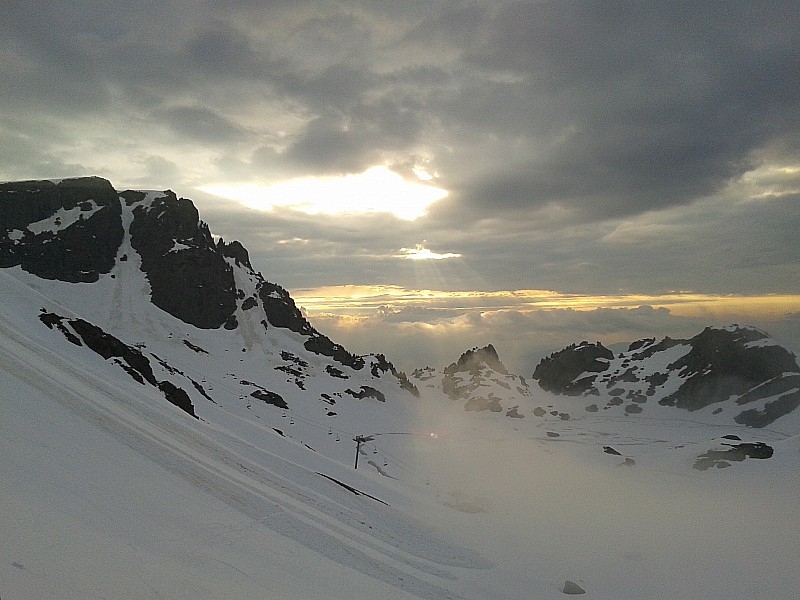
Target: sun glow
point(419, 252)
point(364, 300)
point(376, 190)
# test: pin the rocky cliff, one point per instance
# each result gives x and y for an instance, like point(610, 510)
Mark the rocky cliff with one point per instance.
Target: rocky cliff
point(735, 369)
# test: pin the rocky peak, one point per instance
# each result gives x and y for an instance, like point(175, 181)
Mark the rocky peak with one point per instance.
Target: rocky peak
point(573, 370)
point(236, 251)
point(727, 361)
point(71, 230)
point(478, 380)
point(735, 369)
point(474, 358)
point(189, 276)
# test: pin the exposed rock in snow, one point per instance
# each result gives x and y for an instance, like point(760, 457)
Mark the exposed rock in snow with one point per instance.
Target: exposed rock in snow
point(573, 370)
point(67, 232)
point(735, 366)
point(734, 452)
point(478, 380)
point(570, 587)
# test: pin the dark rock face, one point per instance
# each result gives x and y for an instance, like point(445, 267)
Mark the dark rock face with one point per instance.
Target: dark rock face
point(558, 373)
point(647, 347)
point(188, 274)
point(786, 389)
point(471, 359)
point(738, 365)
point(572, 588)
point(82, 241)
point(367, 391)
point(270, 398)
point(724, 362)
point(130, 359)
point(107, 346)
point(281, 309)
point(736, 452)
point(320, 344)
point(177, 396)
point(236, 251)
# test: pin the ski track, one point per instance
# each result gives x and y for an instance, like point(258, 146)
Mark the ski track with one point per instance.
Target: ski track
point(358, 536)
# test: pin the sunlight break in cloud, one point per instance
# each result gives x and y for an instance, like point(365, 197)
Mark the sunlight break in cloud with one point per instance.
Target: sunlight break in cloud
point(365, 300)
point(419, 252)
point(376, 190)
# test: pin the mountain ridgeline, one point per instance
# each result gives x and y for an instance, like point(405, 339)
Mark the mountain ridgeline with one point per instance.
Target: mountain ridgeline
point(134, 251)
point(738, 370)
point(190, 275)
point(152, 247)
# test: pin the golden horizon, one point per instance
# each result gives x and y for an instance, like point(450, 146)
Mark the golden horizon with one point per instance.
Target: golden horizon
point(366, 300)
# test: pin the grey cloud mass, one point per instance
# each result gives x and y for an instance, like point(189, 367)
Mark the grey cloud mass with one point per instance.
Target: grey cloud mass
point(586, 147)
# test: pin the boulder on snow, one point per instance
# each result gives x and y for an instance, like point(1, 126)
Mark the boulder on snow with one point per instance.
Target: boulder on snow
point(570, 587)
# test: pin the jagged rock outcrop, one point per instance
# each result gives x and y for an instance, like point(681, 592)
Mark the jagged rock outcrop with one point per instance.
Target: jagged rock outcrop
point(189, 276)
point(727, 362)
point(71, 230)
point(480, 381)
point(129, 359)
point(572, 371)
point(381, 365)
point(736, 369)
point(68, 231)
point(281, 309)
point(320, 344)
point(474, 358)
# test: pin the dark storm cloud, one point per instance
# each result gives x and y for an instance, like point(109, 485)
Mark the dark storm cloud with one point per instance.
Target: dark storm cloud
point(639, 105)
point(222, 51)
point(350, 143)
point(43, 66)
point(201, 125)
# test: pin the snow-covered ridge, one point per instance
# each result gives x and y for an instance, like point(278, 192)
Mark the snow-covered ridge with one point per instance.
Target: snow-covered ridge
point(719, 373)
point(476, 382)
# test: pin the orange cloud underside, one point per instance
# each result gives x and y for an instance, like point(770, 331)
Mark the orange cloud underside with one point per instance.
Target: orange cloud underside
point(366, 300)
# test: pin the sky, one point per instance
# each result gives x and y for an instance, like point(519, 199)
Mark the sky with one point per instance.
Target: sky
point(430, 176)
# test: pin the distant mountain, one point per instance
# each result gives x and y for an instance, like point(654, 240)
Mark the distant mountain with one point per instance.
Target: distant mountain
point(478, 381)
point(739, 371)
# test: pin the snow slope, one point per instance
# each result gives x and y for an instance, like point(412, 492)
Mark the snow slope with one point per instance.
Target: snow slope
point(108, 491)
point(112, 493)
